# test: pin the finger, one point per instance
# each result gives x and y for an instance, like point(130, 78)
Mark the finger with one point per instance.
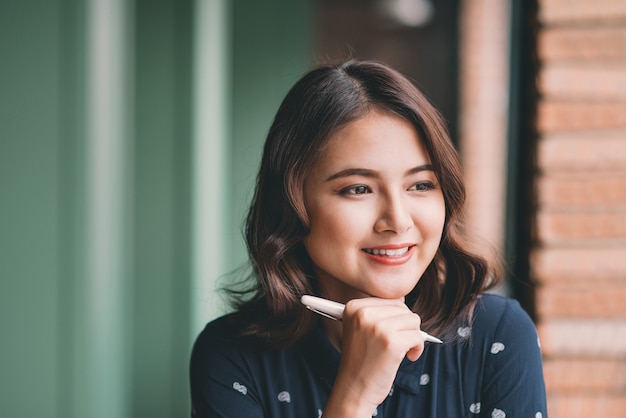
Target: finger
point(402, 333)
point(413, 344)
point(375, 307)
point(383, 317)
point(415, 352)
point(356, 304)
point(407, 343)
point(402, 322)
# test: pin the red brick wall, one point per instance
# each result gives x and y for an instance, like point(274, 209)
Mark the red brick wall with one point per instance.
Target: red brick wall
point(579, 256)
point(483, 97)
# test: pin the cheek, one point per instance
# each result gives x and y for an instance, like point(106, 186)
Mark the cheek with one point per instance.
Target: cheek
point(433, 218)
point(335, 231)
point(441, 217)
point(336, 225)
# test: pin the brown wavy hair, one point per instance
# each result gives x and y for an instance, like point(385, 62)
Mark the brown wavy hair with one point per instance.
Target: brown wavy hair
point(321, 102)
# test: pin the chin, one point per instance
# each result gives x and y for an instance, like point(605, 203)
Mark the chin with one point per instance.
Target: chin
point(391, 294)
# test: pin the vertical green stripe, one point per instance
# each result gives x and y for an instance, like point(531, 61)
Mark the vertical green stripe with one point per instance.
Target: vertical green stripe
point(72, 190)
point(29, 205)
point(210, 132)
point(107, 176)
point(160, 215)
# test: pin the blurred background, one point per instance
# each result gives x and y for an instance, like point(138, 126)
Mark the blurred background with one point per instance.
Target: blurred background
point(130, 135)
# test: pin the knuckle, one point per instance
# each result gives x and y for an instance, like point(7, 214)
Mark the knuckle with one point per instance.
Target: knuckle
point(360, 316)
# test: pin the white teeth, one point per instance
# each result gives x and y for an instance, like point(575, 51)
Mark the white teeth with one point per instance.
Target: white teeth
point(388, 253)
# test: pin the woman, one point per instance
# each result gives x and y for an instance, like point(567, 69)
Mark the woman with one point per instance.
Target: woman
point(359, 200)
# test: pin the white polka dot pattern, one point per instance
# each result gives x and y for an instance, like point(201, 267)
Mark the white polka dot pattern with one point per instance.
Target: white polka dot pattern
point(284, 396)
point(496, 348)
point(498, 413)
point(463, 332)
point(240, 388)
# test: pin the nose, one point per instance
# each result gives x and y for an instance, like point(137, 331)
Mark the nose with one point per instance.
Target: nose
point(395, 215)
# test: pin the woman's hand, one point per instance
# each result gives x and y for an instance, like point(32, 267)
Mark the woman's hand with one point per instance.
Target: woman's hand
point(377, 335)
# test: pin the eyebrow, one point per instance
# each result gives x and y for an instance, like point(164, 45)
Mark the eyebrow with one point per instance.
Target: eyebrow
point(364, 172)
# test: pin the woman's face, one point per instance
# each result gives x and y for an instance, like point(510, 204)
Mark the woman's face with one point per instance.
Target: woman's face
point(376, 210)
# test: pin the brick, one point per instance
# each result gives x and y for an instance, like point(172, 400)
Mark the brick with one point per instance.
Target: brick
point(576, 151)
point(484, 75)
point(567, 226)
point(593, 263)
point(582, 43)
point(595, 338)
point(573, 374)
point(554, 12)
point(554, 116)
point(582, 300)
point(586, 405)
point(583, 190)
point(601, 81)
point(579, 258)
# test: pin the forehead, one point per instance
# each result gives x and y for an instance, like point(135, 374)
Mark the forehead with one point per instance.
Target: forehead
point(375, 139)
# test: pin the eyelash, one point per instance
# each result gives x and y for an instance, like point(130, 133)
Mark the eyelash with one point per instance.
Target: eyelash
point(422, 186)
point(352, 190)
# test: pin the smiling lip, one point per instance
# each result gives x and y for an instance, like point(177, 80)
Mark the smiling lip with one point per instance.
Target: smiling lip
point(390, 254)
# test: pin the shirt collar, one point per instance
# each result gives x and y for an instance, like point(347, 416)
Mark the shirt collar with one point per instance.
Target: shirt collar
point(410, 374)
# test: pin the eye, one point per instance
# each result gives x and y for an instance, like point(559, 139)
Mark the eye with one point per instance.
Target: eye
point(355, 190)
point(423, 186)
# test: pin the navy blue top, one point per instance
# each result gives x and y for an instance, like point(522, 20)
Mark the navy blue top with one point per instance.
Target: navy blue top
point(494, 371)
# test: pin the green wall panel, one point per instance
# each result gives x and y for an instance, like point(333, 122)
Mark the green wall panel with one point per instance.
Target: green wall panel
point(29, 208)
point(162, 208)
point(50, 308)
point(272, 48)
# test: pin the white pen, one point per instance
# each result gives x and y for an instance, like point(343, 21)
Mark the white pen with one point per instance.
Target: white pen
point(334, 310)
